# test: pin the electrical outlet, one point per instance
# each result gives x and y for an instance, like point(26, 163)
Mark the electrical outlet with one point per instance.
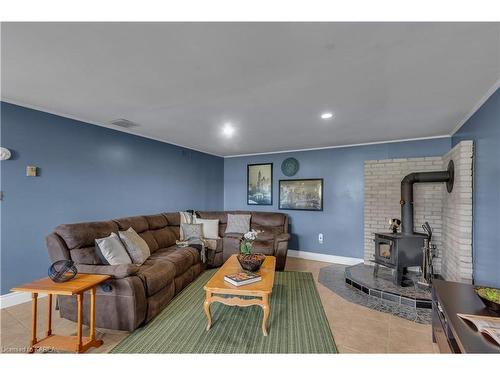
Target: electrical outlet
point(320, 238)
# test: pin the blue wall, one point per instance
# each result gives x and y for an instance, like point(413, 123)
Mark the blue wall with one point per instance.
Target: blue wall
point(87, 173)
point(484, 129)
point(342, 169)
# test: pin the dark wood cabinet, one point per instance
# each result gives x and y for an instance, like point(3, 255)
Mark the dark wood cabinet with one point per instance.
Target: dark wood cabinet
point(450, 332)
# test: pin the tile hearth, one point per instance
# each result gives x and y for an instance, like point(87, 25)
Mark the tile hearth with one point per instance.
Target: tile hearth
point(333, 277)
point(362, 278)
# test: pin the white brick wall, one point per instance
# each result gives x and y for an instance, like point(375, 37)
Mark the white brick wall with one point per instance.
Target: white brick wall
point(457, 216)
point(450, 215)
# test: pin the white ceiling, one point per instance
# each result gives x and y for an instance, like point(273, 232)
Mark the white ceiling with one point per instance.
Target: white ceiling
point(182, 81)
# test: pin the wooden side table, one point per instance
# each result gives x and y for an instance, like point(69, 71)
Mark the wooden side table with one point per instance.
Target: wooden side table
point(80, 284)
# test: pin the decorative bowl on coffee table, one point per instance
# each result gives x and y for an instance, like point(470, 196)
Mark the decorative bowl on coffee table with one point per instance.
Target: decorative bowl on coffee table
point(251, 262)
point(490, 297)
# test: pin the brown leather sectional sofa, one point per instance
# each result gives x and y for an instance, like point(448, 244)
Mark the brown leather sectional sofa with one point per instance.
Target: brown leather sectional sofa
point(136, 294)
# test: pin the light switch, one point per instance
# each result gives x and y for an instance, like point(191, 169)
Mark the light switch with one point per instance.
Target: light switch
point(31, 171)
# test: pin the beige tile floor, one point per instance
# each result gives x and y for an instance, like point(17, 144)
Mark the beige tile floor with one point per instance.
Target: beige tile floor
point(356, 329)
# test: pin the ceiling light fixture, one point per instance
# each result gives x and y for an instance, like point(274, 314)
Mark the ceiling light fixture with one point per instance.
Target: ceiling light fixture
point(326, 115)
point(228, 130)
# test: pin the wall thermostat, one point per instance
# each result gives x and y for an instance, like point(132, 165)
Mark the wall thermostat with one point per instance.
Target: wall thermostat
point(31, 171)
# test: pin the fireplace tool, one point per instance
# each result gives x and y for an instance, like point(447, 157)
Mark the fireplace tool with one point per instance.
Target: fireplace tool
point(428, 250)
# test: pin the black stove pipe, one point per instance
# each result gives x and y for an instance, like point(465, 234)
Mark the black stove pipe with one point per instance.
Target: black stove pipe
point(407, 192)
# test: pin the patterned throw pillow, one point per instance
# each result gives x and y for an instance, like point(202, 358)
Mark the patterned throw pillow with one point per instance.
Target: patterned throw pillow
point(238, 223)
point(192, 231)
point(186, 218)
point(111, 251)
point(210, 227)
point(137, 248)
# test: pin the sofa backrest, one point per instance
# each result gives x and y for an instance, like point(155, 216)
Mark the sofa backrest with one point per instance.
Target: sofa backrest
point(79, 239)
point(266, 222)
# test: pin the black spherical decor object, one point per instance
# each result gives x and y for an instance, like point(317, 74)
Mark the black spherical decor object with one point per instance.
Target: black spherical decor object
point(62, 270)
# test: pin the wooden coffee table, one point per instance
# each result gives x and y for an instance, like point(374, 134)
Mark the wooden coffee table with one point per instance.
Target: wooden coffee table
point(218, 290)
point(77, 286)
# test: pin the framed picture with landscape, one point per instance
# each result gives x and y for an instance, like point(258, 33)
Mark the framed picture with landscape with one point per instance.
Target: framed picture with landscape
point(260, 184)
point(303, 194)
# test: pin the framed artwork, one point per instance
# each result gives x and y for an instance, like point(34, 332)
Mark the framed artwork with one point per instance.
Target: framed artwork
point(260, 184)
point(303, 194)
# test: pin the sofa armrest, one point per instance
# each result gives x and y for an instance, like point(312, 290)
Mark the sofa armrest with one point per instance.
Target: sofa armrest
point(282, 237)
point(281, 250)
point(118, 271)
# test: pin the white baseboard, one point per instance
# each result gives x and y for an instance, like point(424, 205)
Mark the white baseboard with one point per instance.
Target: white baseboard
point(16, 298)
point(324, 257)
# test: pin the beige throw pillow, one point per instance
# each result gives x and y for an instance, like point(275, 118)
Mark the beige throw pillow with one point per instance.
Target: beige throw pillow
point(136, 247)
point(238, 223)
point(210, 227)
point(111, 251)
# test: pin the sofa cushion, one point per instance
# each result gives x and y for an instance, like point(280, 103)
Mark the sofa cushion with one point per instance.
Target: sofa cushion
point(150, 240)
point(85, 255)
point(268, 219)
point(156, 221)
point(137, 223)
point(165, 237)
point(214, 215)
point(181, 258)
point(155, 275)
point(173, 218)
point(267, 233)
point(263, 246)
point(84, 234)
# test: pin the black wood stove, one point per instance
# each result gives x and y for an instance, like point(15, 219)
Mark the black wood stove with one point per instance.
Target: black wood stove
point(402, 250)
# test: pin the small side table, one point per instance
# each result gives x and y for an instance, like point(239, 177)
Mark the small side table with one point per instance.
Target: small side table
point(80, 284)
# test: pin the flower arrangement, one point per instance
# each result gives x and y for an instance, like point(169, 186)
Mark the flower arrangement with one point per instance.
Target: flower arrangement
point(248, 261)
point(246, 244)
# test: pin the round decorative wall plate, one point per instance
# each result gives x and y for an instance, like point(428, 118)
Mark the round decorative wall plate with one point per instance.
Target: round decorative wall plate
point(290, 167)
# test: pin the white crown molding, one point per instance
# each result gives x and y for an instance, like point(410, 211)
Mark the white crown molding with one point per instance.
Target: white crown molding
point(15, 298)
point(107, 126)
point(478, 105)
point(324, 257)
point(340, 146)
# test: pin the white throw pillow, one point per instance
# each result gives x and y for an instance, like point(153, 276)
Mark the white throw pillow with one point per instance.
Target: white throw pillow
point(238, 223)
point(137, 248)
point(111, 250)
point(210, 227)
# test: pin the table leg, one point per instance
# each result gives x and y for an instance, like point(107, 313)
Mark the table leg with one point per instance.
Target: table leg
point(34, 297)
point(92, 314)
point(49, 315)
point(206, 306)
point(79, 298)
point(266, 310)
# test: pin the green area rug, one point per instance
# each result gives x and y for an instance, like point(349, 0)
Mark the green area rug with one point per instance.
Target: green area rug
point(297, 323)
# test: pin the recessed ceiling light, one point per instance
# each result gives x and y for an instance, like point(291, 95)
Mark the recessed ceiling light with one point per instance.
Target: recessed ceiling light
point(326, 115)
point(228, 130)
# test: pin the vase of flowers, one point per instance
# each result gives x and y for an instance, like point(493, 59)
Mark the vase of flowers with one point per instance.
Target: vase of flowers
point(248, 260)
